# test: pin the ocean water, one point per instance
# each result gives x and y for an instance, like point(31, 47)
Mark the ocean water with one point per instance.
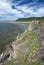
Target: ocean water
point(9, 32)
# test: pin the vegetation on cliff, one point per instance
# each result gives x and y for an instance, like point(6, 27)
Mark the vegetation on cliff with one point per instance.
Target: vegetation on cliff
point(28, 49)
point(30, 19)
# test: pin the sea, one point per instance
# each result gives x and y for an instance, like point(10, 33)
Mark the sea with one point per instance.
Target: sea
point(9, 33)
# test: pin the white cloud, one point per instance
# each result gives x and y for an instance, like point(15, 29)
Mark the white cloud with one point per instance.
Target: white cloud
point(5, 8)
point(25, 9)
point(39, 12)
point(20, 11)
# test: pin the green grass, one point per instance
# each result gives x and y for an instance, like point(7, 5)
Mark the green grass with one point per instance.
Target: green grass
point(11, 62)
point(29, 45)
point(30, 19)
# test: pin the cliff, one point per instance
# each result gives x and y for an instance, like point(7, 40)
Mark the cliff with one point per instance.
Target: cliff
point(28, 49)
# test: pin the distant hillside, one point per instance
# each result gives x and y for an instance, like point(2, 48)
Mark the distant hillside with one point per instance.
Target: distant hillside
point(30, 19)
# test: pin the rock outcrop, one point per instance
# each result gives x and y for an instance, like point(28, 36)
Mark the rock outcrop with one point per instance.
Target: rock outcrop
point(29, 47)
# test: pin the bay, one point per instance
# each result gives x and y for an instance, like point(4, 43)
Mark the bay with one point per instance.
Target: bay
point(9, 32)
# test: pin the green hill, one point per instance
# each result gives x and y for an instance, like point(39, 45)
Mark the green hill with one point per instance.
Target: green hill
point(30, 19)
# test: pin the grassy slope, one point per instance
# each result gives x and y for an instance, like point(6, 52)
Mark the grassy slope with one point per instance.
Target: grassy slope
point(28, 46)
point(30, 19)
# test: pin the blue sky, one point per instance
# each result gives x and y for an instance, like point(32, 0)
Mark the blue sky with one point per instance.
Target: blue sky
point(14, 9)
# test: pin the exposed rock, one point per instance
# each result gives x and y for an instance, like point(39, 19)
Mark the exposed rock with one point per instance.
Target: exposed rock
point(4, 58)
point(38, 28)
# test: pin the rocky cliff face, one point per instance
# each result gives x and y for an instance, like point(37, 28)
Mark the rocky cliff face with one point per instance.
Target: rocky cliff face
point(29, 47)
point(39, 30)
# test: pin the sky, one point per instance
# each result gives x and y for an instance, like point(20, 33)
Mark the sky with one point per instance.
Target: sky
point(14, 9)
